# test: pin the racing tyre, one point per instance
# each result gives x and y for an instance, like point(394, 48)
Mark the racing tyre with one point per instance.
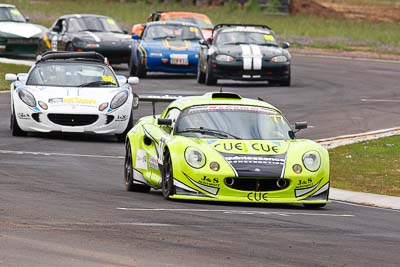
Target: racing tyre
point(167, 181)
point(128, 174)
point(314, 206)
point(210, 79)
point(201, 76)
point(69, 47)
point(15, 129)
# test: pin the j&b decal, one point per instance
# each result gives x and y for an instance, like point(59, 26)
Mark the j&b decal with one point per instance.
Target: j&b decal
point(209, 181)
point(304, 183)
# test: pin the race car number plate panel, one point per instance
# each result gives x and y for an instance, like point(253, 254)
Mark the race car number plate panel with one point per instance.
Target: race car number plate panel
point(179, 59)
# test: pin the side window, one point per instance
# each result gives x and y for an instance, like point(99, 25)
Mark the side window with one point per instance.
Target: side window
point(58, 26)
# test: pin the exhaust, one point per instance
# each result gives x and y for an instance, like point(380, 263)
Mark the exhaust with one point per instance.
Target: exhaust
point(229, 181)
point(281, 183)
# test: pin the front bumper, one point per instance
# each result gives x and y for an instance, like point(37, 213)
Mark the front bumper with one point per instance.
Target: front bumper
point(72, 119)
point(268, 72)
point(115, 53)
point(197, 188)
point(163, 64)
point(19, 46)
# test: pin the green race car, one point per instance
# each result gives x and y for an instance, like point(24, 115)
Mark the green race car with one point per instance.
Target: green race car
point(222, 147)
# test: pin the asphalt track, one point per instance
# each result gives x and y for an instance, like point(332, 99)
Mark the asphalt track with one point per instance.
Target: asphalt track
point(63, 203)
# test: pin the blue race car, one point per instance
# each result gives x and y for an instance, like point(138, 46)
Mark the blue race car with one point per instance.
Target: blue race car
point(166, 47)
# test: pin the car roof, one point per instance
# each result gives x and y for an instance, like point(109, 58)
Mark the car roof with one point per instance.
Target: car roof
point(81, 15)
point(219, 98)
point(6, 5)
point(171, 23)
point(173, 14)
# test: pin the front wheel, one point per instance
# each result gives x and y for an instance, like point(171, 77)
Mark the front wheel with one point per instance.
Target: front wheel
point(128, 174)
point(15, 129)
point(167, 181)
point(201, 76)
point(210, 79)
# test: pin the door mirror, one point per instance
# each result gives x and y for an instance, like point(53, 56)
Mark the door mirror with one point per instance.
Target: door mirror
point(133, 80)
point(203, 42)
point(167, 122)
point(135, 36)
point(285, 45)
point(300, 125)
point(56, 28)
point(27, 19)
point(11, 77)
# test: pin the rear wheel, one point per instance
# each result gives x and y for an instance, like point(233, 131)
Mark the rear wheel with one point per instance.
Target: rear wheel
point(167, 181)
point(210, 79)
point(15, 129)
point(128, 174)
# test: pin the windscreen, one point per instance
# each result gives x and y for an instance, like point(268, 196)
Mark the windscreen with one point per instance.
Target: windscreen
point(245, 37)
point(11, 14)
point(173, 32)
point(235, 121)
point(202, 23)
point(94, 24)
point(72, 75)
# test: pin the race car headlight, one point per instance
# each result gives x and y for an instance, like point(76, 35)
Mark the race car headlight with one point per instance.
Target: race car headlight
point(195, 158)
point(92, 45)
point(312, 161)
point(279, 59)
point(27, 98)
point(119, 99)
point(224, 58)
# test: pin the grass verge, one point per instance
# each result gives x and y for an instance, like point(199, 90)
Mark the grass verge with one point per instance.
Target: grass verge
point(302, 30)
point(9, 68)
point(370, 166)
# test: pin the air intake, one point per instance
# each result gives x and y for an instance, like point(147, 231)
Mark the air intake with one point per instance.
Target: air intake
point(225, 95)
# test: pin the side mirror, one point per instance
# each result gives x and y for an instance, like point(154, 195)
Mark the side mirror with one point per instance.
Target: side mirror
point(285, 45)
point(167, 122)
point(203, 42)
point(56, 28)
point(11, 77)
point(135, 36)
point(300, 125)
point(27, 19)
point(133, 80)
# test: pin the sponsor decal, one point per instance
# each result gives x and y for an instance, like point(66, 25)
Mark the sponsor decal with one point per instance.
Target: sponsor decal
point(153, 162)
point(241, 147)
point(303, 191)
point(302, 183)
point(268, 37)
point(255, 160)
point(23, 116)
point(257, 196)
point(110, 21)
point(213, 182)
point(72, 100)
point(123, 117)
point(108, 78)
point(209, 189)
point(141, 159)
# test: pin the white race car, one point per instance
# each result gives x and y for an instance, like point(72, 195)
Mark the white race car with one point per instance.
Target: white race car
point(72, 92)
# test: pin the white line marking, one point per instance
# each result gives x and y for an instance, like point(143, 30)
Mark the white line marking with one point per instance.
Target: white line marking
point(244, 212)
point(349, 58)
point(380, 100)
point(4, 92)
point(57, 154)
point(364, 206)
point(247, 57)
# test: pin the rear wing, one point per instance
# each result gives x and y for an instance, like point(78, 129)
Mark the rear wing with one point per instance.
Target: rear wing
point(153, 99)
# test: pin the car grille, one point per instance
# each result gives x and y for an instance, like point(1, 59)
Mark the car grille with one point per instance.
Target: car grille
point(72, 119)
point(255, 184)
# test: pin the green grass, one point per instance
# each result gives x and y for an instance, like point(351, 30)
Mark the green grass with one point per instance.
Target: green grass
point(9, 68)
point(371, 166)
point(301, 30)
